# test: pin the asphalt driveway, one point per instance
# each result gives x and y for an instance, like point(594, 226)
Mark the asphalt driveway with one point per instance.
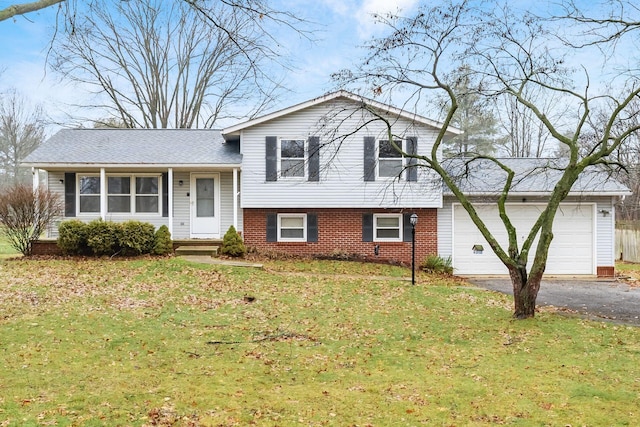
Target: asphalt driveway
point(602, 299)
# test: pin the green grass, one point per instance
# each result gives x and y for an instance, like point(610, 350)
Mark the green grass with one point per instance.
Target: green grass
point(164, 342)
point(6, 250)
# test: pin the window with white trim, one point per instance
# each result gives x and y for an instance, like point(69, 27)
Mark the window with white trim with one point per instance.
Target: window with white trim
point(387, 227)
point(292, 227)
point(126, 194)
point(89, 193)
point(119, 194)
point(390, 160)
point(147, 194)
point(292, 155)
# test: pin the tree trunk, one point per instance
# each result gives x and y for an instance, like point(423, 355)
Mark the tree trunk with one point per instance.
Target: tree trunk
point(525, 292)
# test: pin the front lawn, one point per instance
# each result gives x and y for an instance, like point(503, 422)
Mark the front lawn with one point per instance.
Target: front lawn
point(164, 342)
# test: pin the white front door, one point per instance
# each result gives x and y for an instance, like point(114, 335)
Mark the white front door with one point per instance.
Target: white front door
point(205, 205)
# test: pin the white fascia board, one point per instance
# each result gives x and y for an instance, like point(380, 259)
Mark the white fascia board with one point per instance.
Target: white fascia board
point(544, 194)
point(71, 166)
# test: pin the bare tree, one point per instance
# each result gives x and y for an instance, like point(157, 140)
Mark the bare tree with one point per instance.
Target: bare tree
point(512, 52)
point(159, 65)
point(26, 213)
point(21, 131)
point(525, 135)
point(25, 8)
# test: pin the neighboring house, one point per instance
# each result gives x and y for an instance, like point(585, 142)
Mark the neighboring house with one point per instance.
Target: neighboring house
point(317, 178)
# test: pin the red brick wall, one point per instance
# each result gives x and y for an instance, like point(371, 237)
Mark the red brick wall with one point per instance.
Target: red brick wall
point(340, 231)
point(45, 247)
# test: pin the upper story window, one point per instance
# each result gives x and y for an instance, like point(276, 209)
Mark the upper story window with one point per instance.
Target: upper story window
point(390, 161)
point(292, 158)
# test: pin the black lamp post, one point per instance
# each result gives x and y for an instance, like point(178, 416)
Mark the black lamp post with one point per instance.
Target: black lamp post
point(413, 220)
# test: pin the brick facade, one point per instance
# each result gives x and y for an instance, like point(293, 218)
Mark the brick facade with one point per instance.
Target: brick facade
point(340, 232)
point(45, 247)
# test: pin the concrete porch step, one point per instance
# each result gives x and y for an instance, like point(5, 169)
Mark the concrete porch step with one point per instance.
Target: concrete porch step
point(203, 250)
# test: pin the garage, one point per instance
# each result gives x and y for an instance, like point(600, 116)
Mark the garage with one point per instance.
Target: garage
point(572, 250)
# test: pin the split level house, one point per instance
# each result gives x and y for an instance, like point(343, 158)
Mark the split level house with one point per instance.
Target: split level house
point(319, 178)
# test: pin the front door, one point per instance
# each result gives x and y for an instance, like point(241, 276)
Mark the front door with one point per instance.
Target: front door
point(205, 205)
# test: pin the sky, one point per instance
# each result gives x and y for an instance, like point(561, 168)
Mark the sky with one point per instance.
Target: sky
point(341, 26)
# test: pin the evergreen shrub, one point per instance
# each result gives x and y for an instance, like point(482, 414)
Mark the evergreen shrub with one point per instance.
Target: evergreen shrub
point(136, 237)
point(72, 237)
point(232, 244)
point(163, 245)
point(103, 237)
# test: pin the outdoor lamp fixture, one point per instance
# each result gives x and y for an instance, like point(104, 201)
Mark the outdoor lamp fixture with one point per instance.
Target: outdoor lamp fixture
point(413, 219)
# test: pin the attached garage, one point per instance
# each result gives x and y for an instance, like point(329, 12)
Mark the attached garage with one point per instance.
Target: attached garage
point(584, 226)
point(572, 250)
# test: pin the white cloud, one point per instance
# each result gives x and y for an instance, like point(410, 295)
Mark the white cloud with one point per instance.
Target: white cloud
point(365, 14)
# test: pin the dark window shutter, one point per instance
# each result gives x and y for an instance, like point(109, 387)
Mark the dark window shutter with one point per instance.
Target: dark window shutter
point(312, 227)
point(271, 145)
point(314, 158)
point(406, 227)
point(272, 227)
point(369, 158)
point(367, 227)
point(69, 194)
point(165, 194)
point(412, 148)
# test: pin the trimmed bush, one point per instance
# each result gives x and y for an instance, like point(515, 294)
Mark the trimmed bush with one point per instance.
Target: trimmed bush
point(163, 245)
point(437, 264)
point(99, 238)
point(72, 237)
point(232, 244)
point(135, 237)
point(103, 237)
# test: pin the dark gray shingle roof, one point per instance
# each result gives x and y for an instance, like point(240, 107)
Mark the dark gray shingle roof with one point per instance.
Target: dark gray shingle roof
point(135, 147)
point(532, 175)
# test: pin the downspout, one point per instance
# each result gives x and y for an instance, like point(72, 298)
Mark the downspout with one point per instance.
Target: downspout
point(35, 173)
point(170, 199)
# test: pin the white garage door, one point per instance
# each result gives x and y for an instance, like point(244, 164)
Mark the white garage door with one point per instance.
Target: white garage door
point(571, 251)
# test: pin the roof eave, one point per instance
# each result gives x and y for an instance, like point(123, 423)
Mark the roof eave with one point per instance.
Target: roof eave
point(50, 165)
point(545, 193)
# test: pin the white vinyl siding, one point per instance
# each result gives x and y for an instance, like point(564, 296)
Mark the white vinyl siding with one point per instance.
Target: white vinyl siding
point(341, 183)
point(606, 233)
point(226, 202)
point(445, 230)
point(55, 184)
point(181, 205)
